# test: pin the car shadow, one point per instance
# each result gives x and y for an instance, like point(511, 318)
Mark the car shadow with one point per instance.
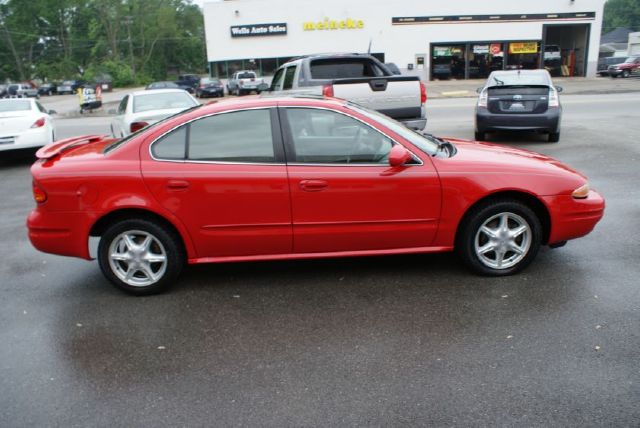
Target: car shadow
point(22, 157)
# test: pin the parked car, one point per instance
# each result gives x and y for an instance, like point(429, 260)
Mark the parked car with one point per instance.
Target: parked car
point(245, 82)
point(210, 87)
point(188, 82)
point(48, 88)
point(358, 78)
point(70, 86)
point(519, 100)
point(22, 90)
point(297, 178)
point(25, 123)
point(604, 63)
point(3, 91)
point(143, 108)
point(105, 81)
point(162, 85)
point(630, 66)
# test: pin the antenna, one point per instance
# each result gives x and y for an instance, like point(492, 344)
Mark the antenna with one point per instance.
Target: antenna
point(369, 49)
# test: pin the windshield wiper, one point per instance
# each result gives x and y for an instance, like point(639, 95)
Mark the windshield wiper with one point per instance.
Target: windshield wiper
point(443, 145)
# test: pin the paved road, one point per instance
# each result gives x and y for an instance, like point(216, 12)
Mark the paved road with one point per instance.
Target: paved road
point(408, 340)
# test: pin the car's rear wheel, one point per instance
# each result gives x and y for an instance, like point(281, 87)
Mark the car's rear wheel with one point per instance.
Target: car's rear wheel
point(479, 136)
point(554, 137)
point(140, 256)
point(499, 238)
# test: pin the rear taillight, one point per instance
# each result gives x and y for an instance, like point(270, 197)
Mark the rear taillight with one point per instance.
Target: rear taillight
point(136, 126)
point(482, 99)
point(423, 93)
point(327, 90)
point(38, 123)
point(553, 98)
point(39, 195)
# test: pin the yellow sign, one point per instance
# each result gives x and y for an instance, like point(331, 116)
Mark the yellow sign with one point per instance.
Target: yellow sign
point(330, 24)
point(523, 47)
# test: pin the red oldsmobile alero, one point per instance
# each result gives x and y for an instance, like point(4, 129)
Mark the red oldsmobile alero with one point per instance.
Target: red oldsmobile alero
point(291, 178)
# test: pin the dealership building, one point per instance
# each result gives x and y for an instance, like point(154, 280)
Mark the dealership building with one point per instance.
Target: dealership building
point(464, 39)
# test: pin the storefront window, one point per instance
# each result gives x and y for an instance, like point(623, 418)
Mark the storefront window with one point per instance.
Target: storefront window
point(485, 58)
point(523, 56)
point(448, 61)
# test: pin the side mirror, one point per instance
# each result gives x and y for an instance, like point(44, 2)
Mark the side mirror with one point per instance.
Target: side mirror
point(398, 156)
point(559, 89)
point(478, 90)
point(52, 112)
point(112, 111)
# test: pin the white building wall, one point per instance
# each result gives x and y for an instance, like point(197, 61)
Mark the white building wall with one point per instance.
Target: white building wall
point(400, 43)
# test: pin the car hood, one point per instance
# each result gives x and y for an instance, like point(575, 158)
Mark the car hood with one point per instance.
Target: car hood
point(497, 157)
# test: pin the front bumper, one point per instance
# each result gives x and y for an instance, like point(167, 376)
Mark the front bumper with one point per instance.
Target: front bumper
point(572, 218)
point(548, 121)
point(614, 72)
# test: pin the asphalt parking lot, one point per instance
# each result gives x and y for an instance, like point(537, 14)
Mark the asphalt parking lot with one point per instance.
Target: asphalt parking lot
point(393, 341)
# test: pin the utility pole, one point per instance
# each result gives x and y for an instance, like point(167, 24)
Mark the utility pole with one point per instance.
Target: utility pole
point(128, 20)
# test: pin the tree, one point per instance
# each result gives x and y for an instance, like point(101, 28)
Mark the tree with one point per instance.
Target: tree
point(621, 13)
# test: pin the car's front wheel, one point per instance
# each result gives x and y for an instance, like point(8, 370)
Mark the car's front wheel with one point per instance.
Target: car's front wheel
point(140, 256)
point(499, 238)
point(625, 73)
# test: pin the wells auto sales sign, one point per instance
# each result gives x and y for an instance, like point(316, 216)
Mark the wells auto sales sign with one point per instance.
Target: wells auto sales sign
point(256, 30)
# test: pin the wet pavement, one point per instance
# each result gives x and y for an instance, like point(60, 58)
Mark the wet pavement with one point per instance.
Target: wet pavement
point(402, 340)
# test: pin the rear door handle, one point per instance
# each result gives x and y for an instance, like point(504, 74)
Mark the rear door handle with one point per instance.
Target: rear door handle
point(313, 185)
point(176, 185)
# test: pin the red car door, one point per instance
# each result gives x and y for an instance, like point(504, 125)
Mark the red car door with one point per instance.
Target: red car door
point(344, 194)
point(224, 177)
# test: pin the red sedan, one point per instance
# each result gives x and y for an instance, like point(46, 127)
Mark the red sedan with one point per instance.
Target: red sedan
point(292, 178)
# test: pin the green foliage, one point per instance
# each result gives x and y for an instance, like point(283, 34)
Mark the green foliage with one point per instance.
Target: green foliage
point(135, 41)
point(621, 13)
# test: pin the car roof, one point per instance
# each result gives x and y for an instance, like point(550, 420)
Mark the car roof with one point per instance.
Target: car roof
point(266, 100)
point(158, 91)
point(15, 100)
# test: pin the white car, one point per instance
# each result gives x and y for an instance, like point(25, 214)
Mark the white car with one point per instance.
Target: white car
point(25, 123)
point(142, 108)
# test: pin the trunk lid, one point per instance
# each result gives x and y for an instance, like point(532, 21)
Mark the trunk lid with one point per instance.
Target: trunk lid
point(14, 122)
point(518, 99)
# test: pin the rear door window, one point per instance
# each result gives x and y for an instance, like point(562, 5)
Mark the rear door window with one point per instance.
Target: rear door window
point(242, 136)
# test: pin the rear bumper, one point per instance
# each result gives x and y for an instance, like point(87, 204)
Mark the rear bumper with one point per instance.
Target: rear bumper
point(27, 139)
point(572, 218)
point(548, 121)
point(61, 233)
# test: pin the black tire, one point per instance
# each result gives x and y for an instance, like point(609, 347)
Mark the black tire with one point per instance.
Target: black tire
point(479, 136)
point(486, 214)
point(163, 242)
point(625, 73)
point(614, 76)
point(554, 137)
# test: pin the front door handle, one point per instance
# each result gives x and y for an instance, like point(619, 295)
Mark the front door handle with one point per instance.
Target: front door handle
point(313, 185)
point(177, 185)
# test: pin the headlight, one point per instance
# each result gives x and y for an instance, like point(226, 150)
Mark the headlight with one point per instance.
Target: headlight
point(581, 192)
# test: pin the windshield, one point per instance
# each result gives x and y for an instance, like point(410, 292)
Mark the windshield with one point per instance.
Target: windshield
point(162, 101)
point(424, 142)
point(246, 75)
point(68, 82)
point(14, 105)
point(631, 59)
point(120, 142)
point(518, 79)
